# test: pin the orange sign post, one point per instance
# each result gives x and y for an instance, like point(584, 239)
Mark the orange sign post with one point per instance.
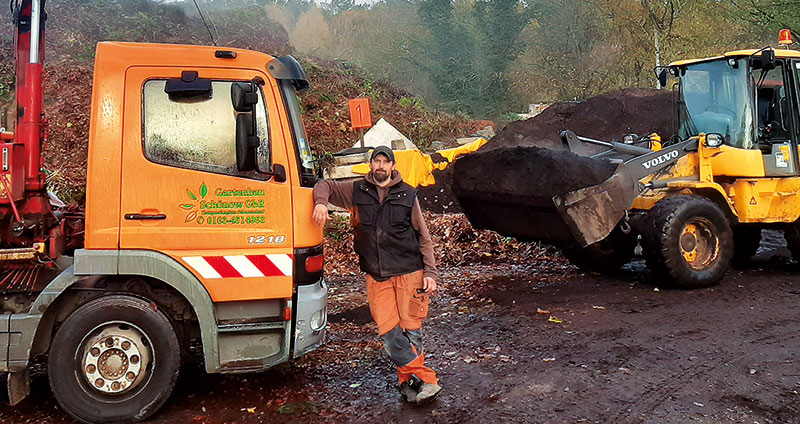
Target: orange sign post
point(360, 116)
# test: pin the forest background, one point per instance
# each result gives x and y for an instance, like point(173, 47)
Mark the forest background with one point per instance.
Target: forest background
point(435, 69)
point(478, 58)
point(485, 58)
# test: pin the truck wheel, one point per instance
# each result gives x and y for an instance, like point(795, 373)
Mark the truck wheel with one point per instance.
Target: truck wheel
point(605, 256)
point(115, 359)
point(688, 242)
point(746, 240)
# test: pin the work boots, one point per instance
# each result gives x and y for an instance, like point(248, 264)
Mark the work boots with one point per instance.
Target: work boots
point(416, 391)
point(427, 392)
point(408, 392)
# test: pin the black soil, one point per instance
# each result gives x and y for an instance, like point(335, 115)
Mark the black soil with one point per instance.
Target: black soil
point(607, 117)
point(534, 172)
point(439, 198)
point(528, 171)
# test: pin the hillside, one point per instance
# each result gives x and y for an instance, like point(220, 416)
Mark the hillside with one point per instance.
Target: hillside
point(74, 27)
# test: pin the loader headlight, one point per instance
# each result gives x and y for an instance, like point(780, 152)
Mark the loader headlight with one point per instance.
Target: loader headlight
point(714, 140)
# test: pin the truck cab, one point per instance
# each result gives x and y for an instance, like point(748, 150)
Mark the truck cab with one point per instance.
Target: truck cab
point(198, 232)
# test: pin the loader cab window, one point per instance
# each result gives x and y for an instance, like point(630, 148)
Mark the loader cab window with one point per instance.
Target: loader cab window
point(772, 107)
point(198, 132)
point(715, 97)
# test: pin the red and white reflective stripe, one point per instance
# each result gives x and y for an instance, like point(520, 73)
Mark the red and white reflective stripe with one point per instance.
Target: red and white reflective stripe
point(241, 266)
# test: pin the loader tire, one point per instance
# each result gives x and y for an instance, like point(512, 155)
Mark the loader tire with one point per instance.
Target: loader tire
point(115, 359)
point(606, 256)
point(688, 242)
point(746, 240)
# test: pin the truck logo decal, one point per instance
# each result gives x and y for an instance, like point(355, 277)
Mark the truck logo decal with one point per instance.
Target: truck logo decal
point(236, 206)
point(191, 214)
point(241, 266)
point(660, 159)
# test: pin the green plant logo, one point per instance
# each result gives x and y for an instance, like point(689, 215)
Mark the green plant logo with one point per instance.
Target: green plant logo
point(191, 208)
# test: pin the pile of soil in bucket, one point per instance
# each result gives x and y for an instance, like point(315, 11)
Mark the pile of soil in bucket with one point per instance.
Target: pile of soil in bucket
point(607, 117)
point(439, 197)
point(525, 171)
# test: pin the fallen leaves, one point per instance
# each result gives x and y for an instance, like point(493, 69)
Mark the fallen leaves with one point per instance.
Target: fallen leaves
point(455, 243)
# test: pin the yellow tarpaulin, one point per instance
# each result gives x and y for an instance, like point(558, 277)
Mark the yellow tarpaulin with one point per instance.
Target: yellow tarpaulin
point(452, 154)
point(417, 167)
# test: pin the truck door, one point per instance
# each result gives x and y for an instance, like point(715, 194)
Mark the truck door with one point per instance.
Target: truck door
point(182, 192)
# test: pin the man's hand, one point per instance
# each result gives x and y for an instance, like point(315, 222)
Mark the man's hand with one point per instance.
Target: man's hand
point(320, 215)
point(429, 285)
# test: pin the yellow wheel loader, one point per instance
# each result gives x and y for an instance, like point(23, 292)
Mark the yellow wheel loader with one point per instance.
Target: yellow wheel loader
point(694, 204)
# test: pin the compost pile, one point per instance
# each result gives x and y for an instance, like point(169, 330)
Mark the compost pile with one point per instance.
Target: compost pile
point(606, 117)
point(511, 173)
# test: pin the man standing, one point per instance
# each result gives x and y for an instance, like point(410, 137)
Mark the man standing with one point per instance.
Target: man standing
point(395, 250)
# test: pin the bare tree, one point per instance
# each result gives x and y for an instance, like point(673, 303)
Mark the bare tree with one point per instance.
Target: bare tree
point(662, 15)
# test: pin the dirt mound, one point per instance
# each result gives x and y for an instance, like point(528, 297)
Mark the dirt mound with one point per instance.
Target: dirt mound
point(528, 171)
point(607, 117)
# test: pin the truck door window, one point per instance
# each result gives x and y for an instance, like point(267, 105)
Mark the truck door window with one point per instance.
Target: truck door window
point(198, 133)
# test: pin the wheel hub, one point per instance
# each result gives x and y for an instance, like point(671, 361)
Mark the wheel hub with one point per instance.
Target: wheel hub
point(115, 360)
point(699, 244)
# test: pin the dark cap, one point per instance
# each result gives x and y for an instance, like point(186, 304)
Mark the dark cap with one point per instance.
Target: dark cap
point(382, 150)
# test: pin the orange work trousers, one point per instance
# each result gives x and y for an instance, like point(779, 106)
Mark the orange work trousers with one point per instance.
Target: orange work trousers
point(398, 310)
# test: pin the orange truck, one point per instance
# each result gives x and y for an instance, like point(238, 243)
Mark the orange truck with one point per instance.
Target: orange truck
point(197, 228)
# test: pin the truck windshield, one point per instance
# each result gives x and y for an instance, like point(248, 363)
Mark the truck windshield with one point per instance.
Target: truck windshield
point(715, 97)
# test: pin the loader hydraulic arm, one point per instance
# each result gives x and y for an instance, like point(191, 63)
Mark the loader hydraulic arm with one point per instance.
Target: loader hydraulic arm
point(652, 162)
point(644, 161)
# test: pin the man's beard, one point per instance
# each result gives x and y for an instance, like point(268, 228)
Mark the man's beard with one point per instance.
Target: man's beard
point(380, 176)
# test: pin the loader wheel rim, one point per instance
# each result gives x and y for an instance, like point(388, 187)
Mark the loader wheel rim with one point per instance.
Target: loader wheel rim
point(115, 358)
point(699, 243)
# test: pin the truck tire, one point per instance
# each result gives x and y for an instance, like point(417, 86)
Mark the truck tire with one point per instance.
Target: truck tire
point(607, 255)
point(115, 359)
point(688, 242)
point(746, 240)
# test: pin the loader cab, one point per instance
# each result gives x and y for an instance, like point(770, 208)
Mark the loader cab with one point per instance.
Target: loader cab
point(750, 99)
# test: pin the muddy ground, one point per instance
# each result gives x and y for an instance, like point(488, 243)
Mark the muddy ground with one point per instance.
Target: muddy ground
point(534, 342)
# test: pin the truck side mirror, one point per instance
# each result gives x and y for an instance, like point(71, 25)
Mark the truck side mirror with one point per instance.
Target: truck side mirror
point(246, 143)
point(243, 96)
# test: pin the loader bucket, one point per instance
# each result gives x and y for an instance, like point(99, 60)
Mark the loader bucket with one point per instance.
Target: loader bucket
point(592, 212)
point(579, 217)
